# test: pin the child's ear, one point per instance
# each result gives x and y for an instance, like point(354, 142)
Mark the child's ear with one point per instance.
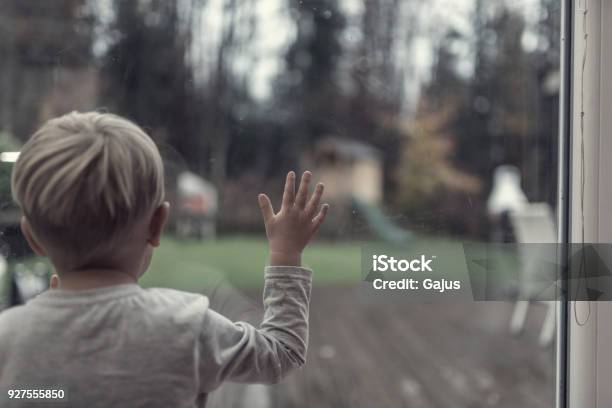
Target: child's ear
point(158, 222)
point(27, 233)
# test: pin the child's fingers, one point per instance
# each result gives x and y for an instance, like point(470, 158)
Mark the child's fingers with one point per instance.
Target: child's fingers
point(266, 207)
point(54, 282)
point(314, 201)
point(302, 194)
point(318, 220)
point(289, 193)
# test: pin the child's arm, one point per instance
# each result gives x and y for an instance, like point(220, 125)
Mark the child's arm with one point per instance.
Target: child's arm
point(239, 351)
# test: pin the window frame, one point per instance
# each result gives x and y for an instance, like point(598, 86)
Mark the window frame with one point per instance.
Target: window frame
point(582, 382)
point(563, 207)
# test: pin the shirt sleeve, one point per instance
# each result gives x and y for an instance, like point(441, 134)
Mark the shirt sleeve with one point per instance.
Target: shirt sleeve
point(239, 352)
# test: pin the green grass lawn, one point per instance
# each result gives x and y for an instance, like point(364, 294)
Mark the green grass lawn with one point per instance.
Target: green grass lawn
point(190, 264)
point(195, 266)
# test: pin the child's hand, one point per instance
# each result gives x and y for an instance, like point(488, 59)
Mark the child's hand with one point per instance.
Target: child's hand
point(290, 230)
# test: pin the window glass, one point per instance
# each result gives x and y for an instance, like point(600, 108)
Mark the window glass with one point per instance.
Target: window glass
point(429, 122)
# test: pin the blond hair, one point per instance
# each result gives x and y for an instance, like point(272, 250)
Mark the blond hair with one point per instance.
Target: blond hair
point(84, 178)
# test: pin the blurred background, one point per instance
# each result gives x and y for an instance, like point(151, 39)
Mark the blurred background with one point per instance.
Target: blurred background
point(429, 121)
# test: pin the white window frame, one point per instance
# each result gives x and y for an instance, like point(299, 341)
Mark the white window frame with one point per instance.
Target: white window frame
point(584, 370)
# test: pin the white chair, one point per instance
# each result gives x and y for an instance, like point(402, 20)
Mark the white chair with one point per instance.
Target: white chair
point(506, 194)
point(533, 224)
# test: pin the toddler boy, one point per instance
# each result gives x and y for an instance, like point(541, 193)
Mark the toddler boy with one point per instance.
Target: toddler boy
point(91, 189)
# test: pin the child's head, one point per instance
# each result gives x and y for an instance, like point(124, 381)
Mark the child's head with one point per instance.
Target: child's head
point(91, 188)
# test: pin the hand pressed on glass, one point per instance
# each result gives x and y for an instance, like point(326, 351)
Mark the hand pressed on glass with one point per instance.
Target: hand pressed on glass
point(291, 228)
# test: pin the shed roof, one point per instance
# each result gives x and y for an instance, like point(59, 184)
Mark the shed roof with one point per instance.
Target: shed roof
point(347, 148)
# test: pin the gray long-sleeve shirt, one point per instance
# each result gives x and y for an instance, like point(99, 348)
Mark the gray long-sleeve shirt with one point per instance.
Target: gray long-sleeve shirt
point(125, 346)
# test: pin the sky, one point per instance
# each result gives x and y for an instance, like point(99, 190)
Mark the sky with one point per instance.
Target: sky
point(276, 33)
